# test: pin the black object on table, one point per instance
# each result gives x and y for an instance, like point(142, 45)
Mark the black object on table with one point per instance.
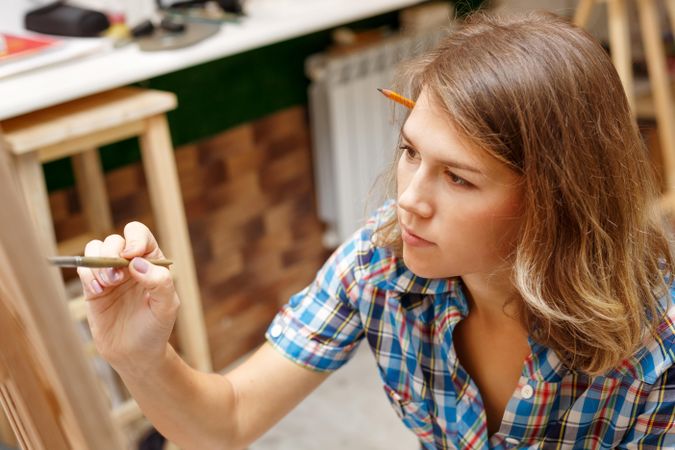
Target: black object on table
point(61, 19)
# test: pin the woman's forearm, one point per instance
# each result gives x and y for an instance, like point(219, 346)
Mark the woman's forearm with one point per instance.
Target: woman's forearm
point(192, 409)
point(205, 411)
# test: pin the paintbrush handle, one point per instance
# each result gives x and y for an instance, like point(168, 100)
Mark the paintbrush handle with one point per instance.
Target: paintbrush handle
point(97, 262)
point(100, 261)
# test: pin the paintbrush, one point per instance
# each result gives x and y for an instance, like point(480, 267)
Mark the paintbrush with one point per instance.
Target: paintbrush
point(99, 261)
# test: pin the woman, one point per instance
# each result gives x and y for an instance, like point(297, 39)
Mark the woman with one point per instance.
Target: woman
point(515, 294)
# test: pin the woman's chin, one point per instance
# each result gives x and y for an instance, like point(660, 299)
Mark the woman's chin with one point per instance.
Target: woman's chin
point(421, 267)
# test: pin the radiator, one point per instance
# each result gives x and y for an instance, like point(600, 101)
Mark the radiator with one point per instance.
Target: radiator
point(353, 131)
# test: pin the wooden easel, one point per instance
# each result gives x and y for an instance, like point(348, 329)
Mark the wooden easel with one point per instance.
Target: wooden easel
point(76, 130)
point(619, 41)
point(47, 388)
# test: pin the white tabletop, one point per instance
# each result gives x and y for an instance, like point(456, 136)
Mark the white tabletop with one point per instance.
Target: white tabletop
point(267, 23)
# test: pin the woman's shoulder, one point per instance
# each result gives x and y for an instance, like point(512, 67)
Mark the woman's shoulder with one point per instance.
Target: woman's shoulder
point(657, 354)
point(373, 257)
point(361, 254)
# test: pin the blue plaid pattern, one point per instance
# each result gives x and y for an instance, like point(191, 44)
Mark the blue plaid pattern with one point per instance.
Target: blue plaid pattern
point(364, 291)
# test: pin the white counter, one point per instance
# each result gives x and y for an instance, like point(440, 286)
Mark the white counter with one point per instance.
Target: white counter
point(264, 25)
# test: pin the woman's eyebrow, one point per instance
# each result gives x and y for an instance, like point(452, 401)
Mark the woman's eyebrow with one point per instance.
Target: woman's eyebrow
point(448, 162)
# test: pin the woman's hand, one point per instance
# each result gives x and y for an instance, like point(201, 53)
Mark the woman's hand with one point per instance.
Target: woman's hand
point(131, 311)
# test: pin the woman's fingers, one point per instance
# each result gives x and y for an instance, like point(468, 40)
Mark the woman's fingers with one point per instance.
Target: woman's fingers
point(94, 281)
point(139, 242)
point(112, 247)
point(158, 283)
point(90, 284)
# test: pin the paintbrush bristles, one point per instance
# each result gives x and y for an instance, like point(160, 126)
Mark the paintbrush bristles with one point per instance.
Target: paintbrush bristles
point(99, 261)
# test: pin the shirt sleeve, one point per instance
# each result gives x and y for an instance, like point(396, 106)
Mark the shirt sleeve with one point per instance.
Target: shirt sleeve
point(320, 326)
point(654, 427)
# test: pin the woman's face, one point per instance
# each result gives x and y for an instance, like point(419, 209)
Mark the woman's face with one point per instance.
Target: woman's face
point(459, 207)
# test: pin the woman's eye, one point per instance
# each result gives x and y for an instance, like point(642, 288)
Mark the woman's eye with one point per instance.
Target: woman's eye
point(459, 181)
point(410, 154)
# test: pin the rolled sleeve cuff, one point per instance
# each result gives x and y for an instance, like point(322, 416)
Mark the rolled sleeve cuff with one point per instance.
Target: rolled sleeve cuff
point(290, 338)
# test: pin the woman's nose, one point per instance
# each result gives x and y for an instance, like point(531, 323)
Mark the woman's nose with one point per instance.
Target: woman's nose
point(415, 196)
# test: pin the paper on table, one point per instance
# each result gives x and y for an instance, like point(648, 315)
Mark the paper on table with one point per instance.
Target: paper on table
point(13, 47)
point(66, 50)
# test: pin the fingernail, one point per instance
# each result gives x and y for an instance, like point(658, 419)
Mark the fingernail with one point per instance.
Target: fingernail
point(140, 265)
point(116, 275)
point(110, 276)
point(104, 276)
point(96, 287)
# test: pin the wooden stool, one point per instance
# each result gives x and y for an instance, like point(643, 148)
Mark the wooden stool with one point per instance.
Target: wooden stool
point(76, 129)
point(619, 41)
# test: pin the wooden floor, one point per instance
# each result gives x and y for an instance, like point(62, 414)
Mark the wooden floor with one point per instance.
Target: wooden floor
point(256, 238)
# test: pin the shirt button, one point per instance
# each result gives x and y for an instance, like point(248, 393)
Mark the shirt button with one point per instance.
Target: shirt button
point(276, 330)
point(526, 392)
point(512, 441)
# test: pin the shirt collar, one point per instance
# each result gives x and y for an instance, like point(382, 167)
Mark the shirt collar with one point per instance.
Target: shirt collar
point(386, 271)
point(381, 267)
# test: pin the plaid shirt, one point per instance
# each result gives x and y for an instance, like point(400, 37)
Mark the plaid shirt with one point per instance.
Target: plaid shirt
point(365, 291)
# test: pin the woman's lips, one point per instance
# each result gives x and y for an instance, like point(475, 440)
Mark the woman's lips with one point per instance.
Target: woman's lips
point(412, 239)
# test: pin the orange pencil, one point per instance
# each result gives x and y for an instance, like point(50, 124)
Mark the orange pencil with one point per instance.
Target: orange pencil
point(398, 98)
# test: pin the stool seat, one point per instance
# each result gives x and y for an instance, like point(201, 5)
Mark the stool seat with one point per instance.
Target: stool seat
point(59, 131)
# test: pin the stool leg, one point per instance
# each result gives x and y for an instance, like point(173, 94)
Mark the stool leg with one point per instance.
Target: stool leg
point(34, 188)
point(658, 75)
point(619, 42)
point(670, 4)
point(165, 195)
point(583, 12)
point(90, 183)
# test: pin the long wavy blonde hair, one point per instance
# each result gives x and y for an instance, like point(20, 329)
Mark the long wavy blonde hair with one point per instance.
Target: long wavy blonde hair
point(541, 95)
